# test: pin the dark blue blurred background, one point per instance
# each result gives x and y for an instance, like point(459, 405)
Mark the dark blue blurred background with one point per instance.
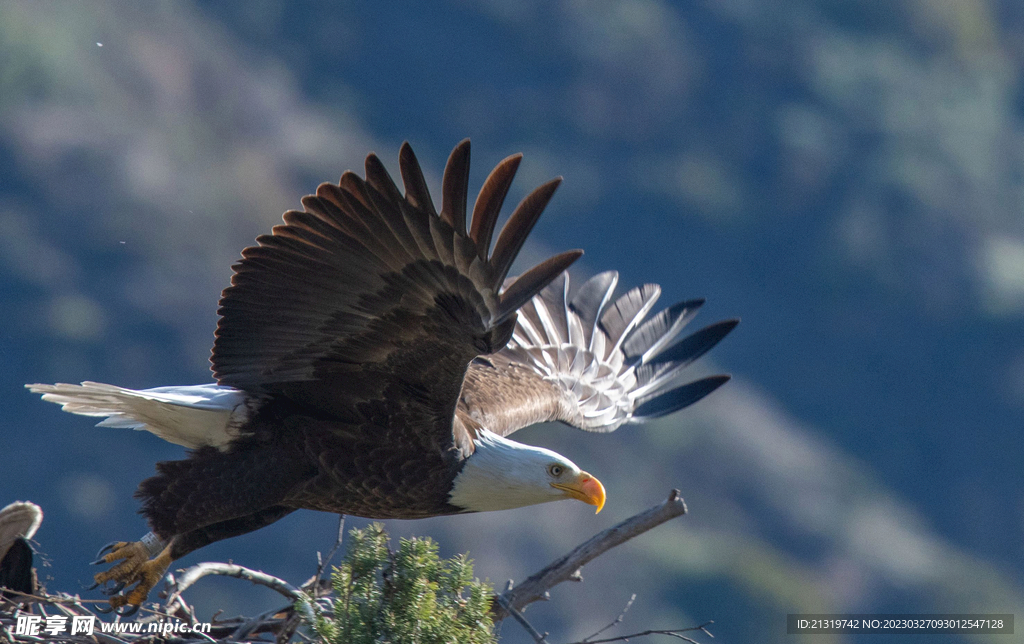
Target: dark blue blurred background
point(846, 177)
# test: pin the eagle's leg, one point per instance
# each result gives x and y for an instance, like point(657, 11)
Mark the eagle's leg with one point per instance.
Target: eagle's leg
point(145, 562)
point(142, 572)
point(195, 539)
point(209, 496)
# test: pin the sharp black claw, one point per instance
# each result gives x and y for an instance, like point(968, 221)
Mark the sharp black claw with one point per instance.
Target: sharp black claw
point(128, 610)
point(94, 586)
point(113, 590)
point(100, 609)
point(107, 548)
point(98, 562)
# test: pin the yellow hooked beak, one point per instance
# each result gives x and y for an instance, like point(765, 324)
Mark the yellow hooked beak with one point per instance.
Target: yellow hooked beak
point(585, 488)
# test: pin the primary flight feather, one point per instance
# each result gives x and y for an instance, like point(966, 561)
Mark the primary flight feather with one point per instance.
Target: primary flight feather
point(372, 358)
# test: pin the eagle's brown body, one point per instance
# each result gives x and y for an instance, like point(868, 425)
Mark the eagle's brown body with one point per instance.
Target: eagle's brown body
point(295, 458)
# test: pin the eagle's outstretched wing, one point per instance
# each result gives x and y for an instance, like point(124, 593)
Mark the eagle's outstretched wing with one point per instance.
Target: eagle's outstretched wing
point(591, 362)
point(369, 297)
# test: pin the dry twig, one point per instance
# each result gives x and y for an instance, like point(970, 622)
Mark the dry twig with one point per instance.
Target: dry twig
point(322, 563)
point(673, 632)
point(567, 567)
point(617, 620)
point(537, 636)
point(198, 571)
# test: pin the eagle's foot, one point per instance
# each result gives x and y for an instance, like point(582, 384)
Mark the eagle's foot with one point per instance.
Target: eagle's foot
point(138, 573)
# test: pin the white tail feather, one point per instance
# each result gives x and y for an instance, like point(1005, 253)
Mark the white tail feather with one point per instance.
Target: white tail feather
point(192, 416)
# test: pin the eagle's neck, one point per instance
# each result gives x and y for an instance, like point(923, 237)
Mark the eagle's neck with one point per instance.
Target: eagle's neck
point(502, 474)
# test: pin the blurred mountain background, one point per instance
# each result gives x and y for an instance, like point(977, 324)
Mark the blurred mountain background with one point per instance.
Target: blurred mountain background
point(846, 177)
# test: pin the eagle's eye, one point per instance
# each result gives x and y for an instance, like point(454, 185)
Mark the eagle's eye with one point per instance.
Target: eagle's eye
point(556, 470)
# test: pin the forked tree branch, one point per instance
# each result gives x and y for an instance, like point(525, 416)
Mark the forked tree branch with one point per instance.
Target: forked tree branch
point(673, 632)
point(567, 567)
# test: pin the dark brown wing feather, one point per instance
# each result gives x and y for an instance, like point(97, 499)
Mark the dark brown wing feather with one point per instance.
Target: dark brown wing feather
point(368, 295)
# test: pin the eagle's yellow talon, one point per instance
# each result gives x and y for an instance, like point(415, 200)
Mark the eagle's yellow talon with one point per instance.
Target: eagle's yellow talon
point(112, 551)
point(137, 571)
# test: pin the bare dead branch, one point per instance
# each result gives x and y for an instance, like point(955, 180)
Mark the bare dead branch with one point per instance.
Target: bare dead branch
point(321, 562)
point(280, 622)
point(617, 620)
point(175, 605)
point(566, 567)
point(198, 571)
point(204, 636)
point(537, 636)
point(249, 626)
point(674, 632)
point(289, 629)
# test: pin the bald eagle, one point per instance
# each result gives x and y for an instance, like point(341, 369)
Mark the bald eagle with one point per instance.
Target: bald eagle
point(18, 523)
point(372, 359)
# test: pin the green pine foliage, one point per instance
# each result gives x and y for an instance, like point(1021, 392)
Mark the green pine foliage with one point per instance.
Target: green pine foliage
point(409, 595)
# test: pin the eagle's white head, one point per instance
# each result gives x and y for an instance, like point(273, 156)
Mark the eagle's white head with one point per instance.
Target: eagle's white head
point(502, 474)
